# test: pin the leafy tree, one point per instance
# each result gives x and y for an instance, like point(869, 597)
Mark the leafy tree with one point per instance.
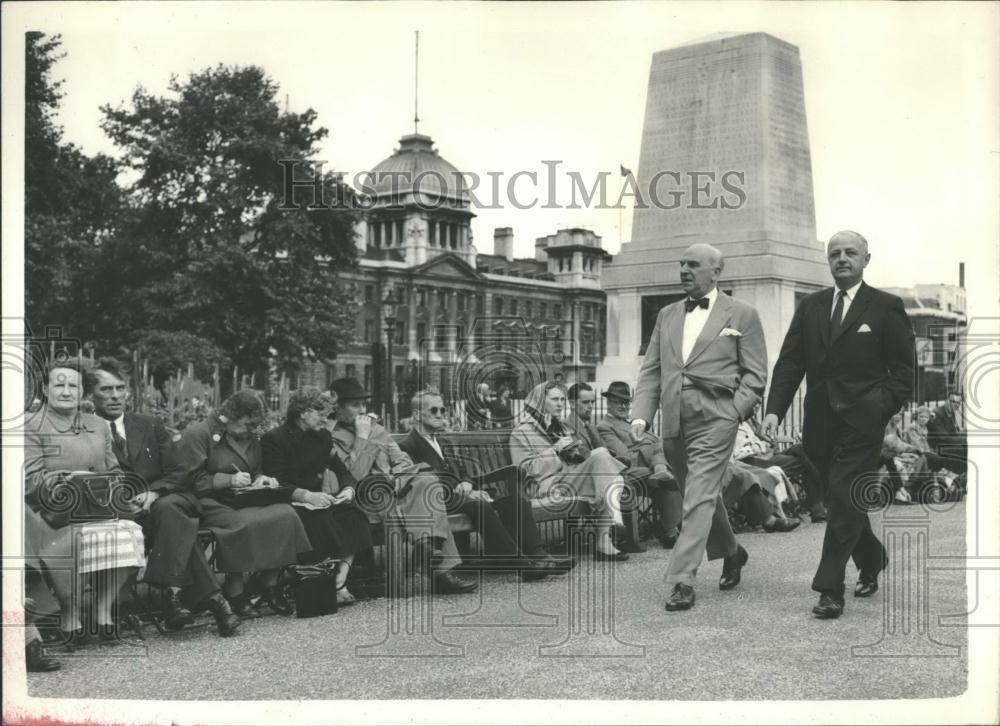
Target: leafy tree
point(208, 251)
point(71, 204)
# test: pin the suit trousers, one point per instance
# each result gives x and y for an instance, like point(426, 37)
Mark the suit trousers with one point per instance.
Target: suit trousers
point(175, 557)
point(850, 461)
point(698, 458)
point(519, 520)
point(496, 539)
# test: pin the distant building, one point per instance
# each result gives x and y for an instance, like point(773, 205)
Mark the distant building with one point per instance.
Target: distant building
point(938, 315)
point(464, 317)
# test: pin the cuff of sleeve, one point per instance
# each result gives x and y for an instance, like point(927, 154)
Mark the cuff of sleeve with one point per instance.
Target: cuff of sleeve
point(221, 481)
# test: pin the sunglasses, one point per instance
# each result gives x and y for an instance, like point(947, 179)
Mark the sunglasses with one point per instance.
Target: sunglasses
point(437, 410)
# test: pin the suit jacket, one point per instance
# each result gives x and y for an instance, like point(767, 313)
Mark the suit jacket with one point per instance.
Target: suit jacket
point(722, 367)
point(379, 454)
point(421, 452)
point(864, 374)
point(585, 431)
point(300, 458)
point(616, 433)
point(150, 452)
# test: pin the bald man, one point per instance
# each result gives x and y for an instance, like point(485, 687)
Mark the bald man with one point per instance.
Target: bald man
point(705, 369)
point(854, 345)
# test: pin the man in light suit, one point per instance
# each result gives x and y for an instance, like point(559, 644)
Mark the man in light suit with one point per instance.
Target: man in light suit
point(856, 352)
point(705, 368)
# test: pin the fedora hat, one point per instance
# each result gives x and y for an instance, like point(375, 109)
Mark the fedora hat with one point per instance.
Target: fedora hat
point(618, 389)
point(349, 389)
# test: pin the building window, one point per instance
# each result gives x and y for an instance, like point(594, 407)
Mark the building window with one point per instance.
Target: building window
point(442, 299)
point(542, 310)
point(367, 383)
point(421, 334)
point(513, 306)
point(528, 305)
point(400, 336)
point(557, 312)
point(421, 297)
point(369, 331)
point(498, 305)
point(350, 371)
point(369, 293)
point(586, 311)
point(460, 301)
point(480, 304)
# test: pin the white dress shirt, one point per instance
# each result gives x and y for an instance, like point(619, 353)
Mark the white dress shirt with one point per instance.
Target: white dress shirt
point(694, 321)
point(848, 297)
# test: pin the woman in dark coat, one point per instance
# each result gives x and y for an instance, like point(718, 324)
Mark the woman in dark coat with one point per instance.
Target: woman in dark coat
point(297, 454)
point(223, 453)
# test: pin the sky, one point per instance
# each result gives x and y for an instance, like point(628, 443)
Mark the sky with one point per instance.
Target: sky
point(901, 100)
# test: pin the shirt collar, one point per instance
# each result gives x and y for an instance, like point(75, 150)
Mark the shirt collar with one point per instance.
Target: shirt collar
point(119, 424)
point(850, 292)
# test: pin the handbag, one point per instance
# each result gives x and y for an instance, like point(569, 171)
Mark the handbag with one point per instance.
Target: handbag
point(254, 497)
point(575, 453)
point(315, 589)
point(79, 499)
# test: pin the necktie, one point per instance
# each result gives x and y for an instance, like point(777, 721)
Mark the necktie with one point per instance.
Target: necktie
point(838, 313)
point(690, 304)
point(118, 444)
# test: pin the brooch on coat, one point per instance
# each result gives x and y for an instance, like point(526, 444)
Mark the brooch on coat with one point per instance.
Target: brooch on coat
point(216, 438)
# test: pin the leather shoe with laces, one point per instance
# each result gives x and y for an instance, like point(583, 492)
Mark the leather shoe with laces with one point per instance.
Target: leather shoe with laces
point(829, 607)
point(36, 660)
point(175, 615)
point(866, 587)
point(534, 570)
point(226, 621)
point(681, 598)
point(448, 583)
point(275, 599)
point(732, 569)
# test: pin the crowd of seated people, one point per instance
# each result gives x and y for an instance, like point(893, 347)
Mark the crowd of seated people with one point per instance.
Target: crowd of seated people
point(927, 456)
point(331, 466)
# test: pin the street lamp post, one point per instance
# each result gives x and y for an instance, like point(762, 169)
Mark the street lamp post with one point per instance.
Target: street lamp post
point(389, 309)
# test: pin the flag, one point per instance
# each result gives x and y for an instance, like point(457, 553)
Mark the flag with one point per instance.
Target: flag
point(625, 172)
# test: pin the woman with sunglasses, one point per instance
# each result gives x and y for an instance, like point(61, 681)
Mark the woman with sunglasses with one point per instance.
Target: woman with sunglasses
point(560, 464)
point(298, 454)
point(224, 453)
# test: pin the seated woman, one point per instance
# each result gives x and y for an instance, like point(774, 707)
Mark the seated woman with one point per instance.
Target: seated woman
point(223, 453)
point(916, 435)
point(59, 441)
point(541, 446)
point(298, 454)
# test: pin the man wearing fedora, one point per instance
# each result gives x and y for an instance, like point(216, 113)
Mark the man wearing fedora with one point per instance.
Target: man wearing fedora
point(375, 460)
point(705, 369)
point(645, 458)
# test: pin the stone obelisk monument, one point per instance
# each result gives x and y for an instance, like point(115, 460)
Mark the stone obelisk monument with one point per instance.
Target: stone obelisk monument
point(724, 160)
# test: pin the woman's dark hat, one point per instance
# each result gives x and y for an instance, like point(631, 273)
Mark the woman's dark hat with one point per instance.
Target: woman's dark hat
point(619, 390)
point(349, 389)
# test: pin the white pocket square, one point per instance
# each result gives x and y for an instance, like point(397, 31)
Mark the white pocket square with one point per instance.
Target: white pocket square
point(730, 331)
point(864, 328)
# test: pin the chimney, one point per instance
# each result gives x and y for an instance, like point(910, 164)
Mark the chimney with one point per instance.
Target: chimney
point(541, 244)
point(503, 243)
point(961, 274)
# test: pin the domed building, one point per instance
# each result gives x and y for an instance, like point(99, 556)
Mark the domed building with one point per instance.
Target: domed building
point(460, 317)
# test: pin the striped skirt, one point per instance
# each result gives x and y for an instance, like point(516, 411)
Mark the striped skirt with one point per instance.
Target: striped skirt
point(108, 546)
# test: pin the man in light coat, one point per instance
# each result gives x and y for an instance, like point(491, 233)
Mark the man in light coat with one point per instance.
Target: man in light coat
point(705, 368)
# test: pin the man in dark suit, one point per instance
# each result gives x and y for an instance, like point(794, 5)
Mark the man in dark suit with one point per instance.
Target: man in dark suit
point(946, 434)
point(511, 537)
point(145, 451)
point(705, 369)
point(854, 345)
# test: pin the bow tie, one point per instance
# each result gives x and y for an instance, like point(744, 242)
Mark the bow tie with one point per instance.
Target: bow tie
point(690, 304)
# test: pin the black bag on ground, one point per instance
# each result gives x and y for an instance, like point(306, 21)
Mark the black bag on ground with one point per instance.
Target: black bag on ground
point(315, 588)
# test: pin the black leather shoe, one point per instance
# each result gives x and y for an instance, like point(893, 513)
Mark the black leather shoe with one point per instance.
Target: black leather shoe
point(226, 621)
point(274, 598)
point(818, 514)
point(866, 587)
point(666, 541)
point(681, 598)
point(243, 606)
point(732, 569)
point(829, 607)
point(610, 556)
point(175, 615)
point(782, 524)
point(36, 661)
point(448, 583)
